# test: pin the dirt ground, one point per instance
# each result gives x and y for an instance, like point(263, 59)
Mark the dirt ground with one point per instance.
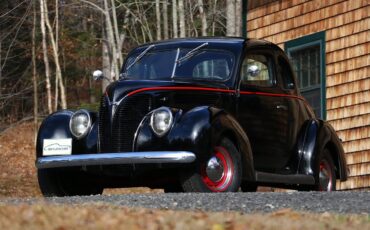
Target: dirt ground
point(18, 179)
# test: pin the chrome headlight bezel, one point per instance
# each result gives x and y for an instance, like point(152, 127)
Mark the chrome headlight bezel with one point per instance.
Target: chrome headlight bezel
point(73, 122)
point(154, 124)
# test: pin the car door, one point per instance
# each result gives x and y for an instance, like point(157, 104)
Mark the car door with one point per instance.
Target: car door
point(263, 110)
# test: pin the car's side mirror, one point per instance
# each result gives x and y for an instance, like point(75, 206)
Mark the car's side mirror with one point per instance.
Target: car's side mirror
point(253, 71)
point(98, 75)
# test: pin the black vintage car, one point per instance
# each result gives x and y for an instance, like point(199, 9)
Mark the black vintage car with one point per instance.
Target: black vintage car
point(193, 115)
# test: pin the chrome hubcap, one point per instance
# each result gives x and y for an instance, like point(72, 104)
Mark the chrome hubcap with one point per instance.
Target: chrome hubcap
point(217, 173)
point(215, 169)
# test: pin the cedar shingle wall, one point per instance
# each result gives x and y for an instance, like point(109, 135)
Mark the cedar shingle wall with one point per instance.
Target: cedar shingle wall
point(347, 26)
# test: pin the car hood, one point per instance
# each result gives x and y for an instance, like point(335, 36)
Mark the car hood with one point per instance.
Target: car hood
point(119, 89)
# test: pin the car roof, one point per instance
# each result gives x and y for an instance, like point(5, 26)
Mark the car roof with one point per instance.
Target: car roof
point(230, 41)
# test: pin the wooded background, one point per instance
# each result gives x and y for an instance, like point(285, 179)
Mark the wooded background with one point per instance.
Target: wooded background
point(49, 49)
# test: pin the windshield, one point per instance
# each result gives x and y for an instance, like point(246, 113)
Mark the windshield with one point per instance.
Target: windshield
point(202, 64)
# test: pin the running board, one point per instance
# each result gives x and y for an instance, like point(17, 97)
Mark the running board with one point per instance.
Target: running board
point(284, 179)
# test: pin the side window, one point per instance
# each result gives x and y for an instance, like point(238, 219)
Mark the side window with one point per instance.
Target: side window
point(212, 69)
point(257, 70)
point(286, 73)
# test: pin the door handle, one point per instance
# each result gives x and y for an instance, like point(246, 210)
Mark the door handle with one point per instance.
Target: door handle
point(282, 107)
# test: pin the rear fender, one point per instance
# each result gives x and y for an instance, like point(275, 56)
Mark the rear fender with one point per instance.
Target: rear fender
point(319, 135)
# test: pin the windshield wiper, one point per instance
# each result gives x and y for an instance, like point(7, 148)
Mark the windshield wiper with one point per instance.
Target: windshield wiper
point(191, 53)
point(140, 56)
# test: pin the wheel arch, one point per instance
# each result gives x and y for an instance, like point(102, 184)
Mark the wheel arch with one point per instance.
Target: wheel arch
point(336, 153)
point(234, 132)
point(318, 136)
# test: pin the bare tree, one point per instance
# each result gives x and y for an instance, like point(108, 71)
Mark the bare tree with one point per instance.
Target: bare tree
point(174, 19)
point(193, 31)
point(182, 18)
point(56, 93)
point(230, 18)
point(58, 71)
point(118, 37)
point(214, 17)
point(45, 55)
point(238, 18)
point(34, 71)
point(158, 16)
point(203, 17)
point(165, 19)
point(1, 69)
point(112, 45)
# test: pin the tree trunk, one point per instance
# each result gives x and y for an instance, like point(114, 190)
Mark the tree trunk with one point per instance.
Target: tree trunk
point(1, 70)
point(58, 71)
point(165, 19)
point(112, 45)
point(230, 17)
point(203, 17)
point(174, 19)
point(195, 29)
point(56, 93)
point(238, 18)
point(182, 19)
point(117, 35)
point(158, 17)
point(106, 63)
point(34, 76)
point(214, 17)
point(45, 54)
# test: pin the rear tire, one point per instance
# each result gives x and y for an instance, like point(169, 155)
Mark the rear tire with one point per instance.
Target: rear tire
point(221, 172)
point(55, 182)
point(327, 176)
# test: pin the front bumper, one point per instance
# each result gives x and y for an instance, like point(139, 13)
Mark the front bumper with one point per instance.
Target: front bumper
point(115, 159)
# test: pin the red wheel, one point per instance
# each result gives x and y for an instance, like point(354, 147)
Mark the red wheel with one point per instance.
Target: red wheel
point(218, 172)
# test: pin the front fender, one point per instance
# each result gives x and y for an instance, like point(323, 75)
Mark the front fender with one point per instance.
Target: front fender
point(56, 126)
point(197, 131)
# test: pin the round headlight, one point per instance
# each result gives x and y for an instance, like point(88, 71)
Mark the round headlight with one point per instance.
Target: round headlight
point(80, 123)
point(161, 121)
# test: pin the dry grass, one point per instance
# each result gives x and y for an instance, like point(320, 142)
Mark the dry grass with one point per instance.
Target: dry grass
point(17, 164)
point(113, 217)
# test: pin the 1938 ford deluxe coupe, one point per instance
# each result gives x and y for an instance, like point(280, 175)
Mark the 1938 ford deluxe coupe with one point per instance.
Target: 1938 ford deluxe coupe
point(193, 115)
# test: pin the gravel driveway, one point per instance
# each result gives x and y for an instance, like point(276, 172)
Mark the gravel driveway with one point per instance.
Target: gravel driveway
point(336, 202)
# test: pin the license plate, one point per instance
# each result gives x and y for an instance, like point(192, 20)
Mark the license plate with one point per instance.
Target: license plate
point(53, 147)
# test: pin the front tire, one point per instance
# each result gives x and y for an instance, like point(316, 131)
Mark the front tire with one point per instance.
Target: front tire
point(55, 182)
point(221, 172)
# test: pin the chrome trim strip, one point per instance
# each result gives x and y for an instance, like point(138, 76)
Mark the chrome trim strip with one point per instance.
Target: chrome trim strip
point(115, 158)
point(138, 129)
